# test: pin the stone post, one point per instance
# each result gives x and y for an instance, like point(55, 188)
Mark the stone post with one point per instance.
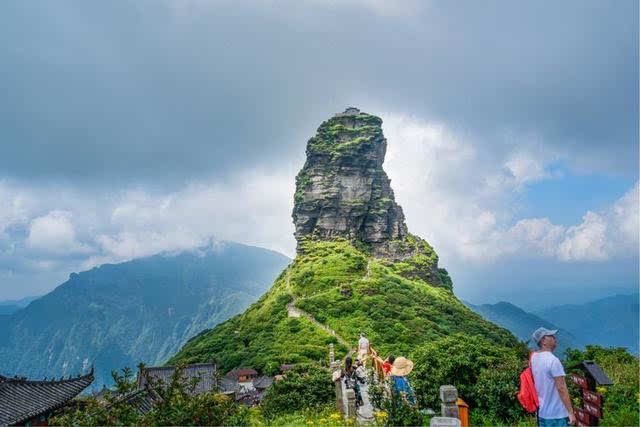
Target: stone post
point(444, 422)
point(351, 402)
point(339, 400)
point(449, 396)
point(332, 355)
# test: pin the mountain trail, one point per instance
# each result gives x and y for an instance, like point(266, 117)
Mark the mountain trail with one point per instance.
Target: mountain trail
point(368, 273)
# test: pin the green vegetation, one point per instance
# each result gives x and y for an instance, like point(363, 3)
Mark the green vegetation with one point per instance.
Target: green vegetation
point(335, 137)
point(347, 290)
point(326, 416)
point(176, 406)
point(485, 373)
point(302, 183)
point(306, 387)
point(142, 310)
point(394, 410)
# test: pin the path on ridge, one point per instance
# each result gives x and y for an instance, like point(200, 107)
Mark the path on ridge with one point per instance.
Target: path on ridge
point(365, 411)
point(294, 311)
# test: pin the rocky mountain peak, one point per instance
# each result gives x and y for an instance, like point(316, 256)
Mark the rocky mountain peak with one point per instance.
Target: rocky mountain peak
point(343, 191)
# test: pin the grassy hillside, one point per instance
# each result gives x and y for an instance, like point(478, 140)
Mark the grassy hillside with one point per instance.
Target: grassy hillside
point(349, 291)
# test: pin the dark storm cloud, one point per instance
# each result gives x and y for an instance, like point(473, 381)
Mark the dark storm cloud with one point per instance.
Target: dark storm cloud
point(164, 92)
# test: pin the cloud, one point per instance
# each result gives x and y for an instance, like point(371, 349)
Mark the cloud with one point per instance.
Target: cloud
point(585, 241)
point(135, 127)
point(456, 193)
point(464, 199)
point(54, 234)
point(165, 93)
point(603, 235)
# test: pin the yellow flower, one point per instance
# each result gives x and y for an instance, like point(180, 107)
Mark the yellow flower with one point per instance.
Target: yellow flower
point(380, 414)
point(309, 423)
point(601, 390)
point(335, 416)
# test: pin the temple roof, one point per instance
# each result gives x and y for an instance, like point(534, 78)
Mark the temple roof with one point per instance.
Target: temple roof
point(263, 382)
point(241, 372)
point(204, 372)
point(22, 399)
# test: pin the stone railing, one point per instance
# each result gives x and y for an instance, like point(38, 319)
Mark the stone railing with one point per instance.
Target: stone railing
point(453, 410)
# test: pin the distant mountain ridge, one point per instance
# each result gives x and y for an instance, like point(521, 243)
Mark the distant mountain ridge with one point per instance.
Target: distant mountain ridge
point(11, 306)
point(522, 324)
point(117, 315)
point(609, 322)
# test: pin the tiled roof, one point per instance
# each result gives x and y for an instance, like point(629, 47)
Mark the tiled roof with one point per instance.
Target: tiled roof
point(21, 399)
point(263, 382)
point(227, 385)
point(241, 372)
point(142, 399)
point(205, 372)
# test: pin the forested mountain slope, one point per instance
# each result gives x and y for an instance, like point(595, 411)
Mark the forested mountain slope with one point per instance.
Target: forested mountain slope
point(117, 315)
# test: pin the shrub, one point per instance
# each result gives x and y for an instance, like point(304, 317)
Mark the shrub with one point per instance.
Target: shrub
point(394, 409)
point(177, 406)
point(304, 387)
point(497, 386)
point(460, 360)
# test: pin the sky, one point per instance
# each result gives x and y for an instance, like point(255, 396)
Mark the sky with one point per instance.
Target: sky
point(135, 127)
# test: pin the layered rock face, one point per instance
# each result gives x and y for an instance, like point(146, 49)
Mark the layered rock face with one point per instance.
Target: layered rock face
point(343, 191)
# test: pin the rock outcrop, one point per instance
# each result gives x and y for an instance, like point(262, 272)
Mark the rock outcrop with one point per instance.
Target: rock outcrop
point(343, 192)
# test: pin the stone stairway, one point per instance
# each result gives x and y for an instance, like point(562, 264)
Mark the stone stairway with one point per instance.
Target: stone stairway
point(364, 413)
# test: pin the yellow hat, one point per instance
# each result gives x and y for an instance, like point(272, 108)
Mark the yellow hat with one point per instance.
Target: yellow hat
point(401, 366)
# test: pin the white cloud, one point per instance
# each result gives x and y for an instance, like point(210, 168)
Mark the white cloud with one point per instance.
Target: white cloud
point(464, 199)
point(458, 193)
point(53, 234)
point(586, 241)
point(252, 207)
point(603, 235)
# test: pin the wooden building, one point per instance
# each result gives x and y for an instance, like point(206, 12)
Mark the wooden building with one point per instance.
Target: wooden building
point(245, 375)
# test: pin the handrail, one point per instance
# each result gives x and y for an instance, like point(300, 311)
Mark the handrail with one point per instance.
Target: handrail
point(377, 362)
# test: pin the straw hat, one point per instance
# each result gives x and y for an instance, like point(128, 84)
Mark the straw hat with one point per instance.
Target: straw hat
point(401, 366)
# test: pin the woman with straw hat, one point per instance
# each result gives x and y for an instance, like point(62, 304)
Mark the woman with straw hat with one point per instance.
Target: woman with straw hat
point(399, 371)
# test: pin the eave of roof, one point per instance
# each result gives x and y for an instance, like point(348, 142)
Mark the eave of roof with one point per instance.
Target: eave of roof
point(21, 399)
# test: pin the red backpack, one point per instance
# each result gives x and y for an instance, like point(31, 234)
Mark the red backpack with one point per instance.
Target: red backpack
point(527, 395)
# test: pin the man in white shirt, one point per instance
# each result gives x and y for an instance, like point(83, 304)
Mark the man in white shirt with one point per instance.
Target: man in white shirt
point(363, 347)
point(548, 377)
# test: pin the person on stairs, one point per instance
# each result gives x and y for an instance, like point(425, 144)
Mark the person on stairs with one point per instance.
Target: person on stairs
point(399, 371)
point(363, 347)
point(350, 377)
point(361, 372)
